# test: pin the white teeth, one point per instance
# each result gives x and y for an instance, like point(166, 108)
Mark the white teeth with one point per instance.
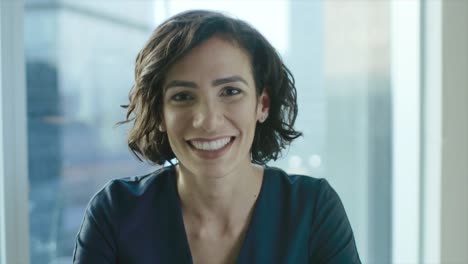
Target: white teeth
point(211, 145)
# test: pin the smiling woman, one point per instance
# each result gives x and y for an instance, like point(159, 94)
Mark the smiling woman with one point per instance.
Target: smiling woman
point(212, 93)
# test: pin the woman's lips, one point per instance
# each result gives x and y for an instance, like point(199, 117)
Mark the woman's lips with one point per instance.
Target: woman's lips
point(211, 149)
point(210, 145)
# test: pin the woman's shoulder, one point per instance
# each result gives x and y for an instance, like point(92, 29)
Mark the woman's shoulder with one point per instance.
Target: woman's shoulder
point(139, 185)
point(314, 193)
point(124, 192)
point(331, 236)
point(296, 182)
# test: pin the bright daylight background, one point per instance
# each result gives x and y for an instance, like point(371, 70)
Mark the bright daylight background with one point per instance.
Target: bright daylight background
point(368, 75)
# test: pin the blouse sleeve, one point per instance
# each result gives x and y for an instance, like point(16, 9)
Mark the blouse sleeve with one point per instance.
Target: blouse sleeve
point(332, 239)
point(96, 239)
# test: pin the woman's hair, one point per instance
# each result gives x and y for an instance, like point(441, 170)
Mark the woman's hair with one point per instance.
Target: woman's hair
point(176, 37)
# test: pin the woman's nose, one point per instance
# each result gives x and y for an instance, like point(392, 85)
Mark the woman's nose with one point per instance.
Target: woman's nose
point(208, 117)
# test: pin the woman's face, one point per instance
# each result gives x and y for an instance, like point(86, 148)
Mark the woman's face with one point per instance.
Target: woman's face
point(210, 108)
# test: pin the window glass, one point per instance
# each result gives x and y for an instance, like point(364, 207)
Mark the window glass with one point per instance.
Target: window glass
point(80, 59)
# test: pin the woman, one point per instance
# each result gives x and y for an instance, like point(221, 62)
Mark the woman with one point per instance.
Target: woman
point(211, 92)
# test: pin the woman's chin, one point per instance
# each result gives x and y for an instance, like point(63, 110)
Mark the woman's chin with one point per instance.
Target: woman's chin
point(212, 170)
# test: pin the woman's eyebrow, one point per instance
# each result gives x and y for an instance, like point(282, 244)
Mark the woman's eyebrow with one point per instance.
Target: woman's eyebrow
point(177, 83)
point(234, 78)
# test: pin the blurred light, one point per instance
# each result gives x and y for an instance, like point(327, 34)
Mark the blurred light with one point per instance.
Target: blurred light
point(315, 161)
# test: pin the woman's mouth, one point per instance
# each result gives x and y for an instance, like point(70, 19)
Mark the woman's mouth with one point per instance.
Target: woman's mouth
point(211, 145)
point(211, 148)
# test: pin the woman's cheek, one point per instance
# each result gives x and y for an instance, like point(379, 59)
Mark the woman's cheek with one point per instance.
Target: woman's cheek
point(178, 117)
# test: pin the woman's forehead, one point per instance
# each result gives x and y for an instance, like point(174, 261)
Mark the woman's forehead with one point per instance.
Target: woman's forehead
point(213, 59)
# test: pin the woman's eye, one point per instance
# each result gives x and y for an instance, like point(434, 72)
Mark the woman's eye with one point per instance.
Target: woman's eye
point(230, 91)
point(181, 97)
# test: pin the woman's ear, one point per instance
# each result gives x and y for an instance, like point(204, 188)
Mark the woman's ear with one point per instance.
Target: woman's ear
point(263, 106)
point(162, 126)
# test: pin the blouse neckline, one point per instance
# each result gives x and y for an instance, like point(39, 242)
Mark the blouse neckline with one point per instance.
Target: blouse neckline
point(248, 232)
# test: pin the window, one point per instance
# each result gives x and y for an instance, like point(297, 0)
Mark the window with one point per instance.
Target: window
point(79, 68)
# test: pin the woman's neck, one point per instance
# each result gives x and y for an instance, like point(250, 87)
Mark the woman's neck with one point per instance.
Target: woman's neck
point(221, 201)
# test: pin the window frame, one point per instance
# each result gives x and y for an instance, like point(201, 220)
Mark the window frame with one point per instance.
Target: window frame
point(431, 30)
point(14, 204)
point(406, 135)
point(454, 130)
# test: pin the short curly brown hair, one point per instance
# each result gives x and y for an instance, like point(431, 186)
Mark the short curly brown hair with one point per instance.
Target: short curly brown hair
point(171, 41)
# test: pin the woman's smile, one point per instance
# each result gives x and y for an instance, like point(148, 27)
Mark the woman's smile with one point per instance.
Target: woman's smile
point(211, 149)
point(210, 144)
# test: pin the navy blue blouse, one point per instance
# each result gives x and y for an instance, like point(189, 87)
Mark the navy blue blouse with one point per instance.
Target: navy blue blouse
point(296, 219)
